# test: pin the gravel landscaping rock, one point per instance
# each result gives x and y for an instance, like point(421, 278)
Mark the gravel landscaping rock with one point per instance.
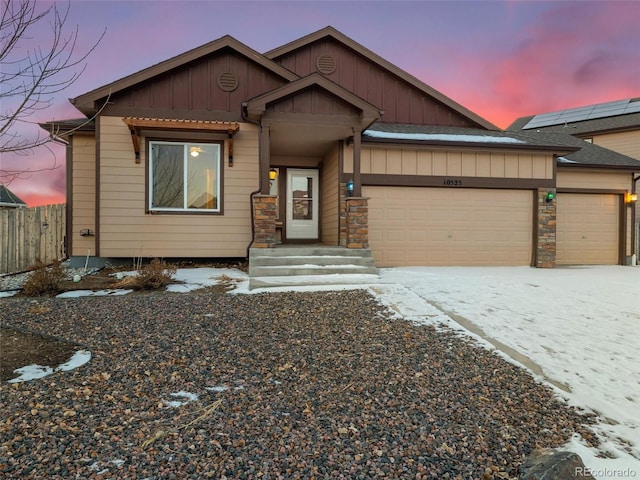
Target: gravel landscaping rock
point(278, 385)
point(554, 465)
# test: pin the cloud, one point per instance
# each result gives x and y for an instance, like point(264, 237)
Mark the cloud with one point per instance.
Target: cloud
point(568, 56)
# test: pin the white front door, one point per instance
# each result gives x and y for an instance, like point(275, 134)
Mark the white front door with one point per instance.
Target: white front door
point(302, 203)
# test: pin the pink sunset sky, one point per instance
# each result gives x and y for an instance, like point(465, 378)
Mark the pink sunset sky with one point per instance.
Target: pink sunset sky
point(500, 59)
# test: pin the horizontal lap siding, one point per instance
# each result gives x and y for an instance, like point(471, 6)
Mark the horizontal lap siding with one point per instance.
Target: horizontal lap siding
point(329, 199)
point(83, 196)
point(127, 231)
point(626, 143)
point(450, 226)
point(593, 179)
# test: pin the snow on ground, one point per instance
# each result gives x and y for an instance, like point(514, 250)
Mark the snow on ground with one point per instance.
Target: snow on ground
point(32, 372)
point(185, 397)
point(93, 293)
point(576, 329)
point(195, 278)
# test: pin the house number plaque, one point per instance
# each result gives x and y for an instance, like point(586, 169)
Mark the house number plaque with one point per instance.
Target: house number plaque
point(452, 182)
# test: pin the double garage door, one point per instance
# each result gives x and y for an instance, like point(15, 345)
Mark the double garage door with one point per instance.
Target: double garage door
point(453, 226)
point(450, 226)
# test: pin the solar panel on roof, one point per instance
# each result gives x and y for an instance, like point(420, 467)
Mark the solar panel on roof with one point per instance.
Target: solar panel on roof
point(579, 114)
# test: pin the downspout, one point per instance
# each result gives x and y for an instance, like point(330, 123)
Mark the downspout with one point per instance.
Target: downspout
point(634, 228)
point(246, 118)
point(68, 152)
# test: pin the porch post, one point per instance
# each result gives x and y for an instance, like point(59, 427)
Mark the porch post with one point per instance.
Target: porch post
point(264, 158)
point(546, 229)
point(357, 217)
point(357, 183)
point(264, 221)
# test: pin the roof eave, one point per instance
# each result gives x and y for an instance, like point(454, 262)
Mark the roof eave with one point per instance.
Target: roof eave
point(362, 50)
point(476, 145)
point(86, 102)
point(599, 166)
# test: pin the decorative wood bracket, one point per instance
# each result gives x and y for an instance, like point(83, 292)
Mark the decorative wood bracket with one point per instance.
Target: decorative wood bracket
point(136, 125)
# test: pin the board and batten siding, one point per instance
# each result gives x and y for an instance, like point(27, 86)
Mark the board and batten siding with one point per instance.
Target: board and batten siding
point(357, 73)
point(83, 194)
point(126, 230)
point(329, 194)
point(451, 163)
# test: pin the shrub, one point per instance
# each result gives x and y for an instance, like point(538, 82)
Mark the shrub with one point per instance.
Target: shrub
point(45, 279)
point(156, 274)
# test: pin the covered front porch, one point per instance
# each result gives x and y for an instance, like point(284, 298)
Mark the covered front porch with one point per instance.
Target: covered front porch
point(304, 196)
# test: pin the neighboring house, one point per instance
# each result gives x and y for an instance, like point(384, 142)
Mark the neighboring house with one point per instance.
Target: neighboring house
point(321, 140)
point(611, 125)
point(8, 199)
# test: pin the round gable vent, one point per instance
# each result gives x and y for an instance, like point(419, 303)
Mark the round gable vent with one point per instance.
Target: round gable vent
point(228, 82)
point(326, 64)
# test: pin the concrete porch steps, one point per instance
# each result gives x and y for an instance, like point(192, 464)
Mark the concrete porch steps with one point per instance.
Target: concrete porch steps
point(319, 264)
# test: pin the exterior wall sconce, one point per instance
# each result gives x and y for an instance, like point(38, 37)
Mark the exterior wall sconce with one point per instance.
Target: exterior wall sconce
point(630, 198)
point(350, 188)
point(86, 232)
point(45, 224)
point(273, 174)
point(550, 197)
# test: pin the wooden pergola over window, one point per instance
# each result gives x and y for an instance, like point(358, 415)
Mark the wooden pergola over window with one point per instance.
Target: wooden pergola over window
point(136, 125)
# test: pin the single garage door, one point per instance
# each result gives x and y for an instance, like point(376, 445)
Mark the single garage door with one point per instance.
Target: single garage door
point(450, 226)
point(587, 229)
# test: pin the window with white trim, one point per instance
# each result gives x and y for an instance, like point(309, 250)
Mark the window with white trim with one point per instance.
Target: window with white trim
point(184, 176)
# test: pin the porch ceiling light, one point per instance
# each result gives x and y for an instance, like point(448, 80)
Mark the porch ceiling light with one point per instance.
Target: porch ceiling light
point(630, 198)
point(273, 174)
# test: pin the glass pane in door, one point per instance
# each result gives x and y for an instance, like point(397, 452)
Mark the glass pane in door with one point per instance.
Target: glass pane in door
point(302, 188)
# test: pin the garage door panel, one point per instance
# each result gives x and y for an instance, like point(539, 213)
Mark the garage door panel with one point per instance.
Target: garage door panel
point(450, 226)
point(588, 230)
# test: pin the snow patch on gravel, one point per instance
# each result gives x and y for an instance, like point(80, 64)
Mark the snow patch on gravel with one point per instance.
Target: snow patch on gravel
point(93, 293)
point(33, 372)
point(187, 397)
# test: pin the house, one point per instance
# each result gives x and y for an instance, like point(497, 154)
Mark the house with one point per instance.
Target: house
point(8, 199)
point(613, 125)
point(224, 151)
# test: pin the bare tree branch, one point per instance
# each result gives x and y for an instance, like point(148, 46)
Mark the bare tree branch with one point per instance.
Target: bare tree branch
point(30, 78)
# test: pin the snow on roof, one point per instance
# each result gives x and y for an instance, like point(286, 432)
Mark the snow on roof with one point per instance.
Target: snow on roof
point(565, 160)
point(446, 137)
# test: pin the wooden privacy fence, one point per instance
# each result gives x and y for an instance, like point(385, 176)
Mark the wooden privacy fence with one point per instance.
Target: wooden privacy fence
point(29, 234)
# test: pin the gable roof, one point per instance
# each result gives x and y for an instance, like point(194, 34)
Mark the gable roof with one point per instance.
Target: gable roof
point(381, 62)
point(86, 102)
point(619, 115)
point(257, 105)
point(587, 154)
point(10, 199)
